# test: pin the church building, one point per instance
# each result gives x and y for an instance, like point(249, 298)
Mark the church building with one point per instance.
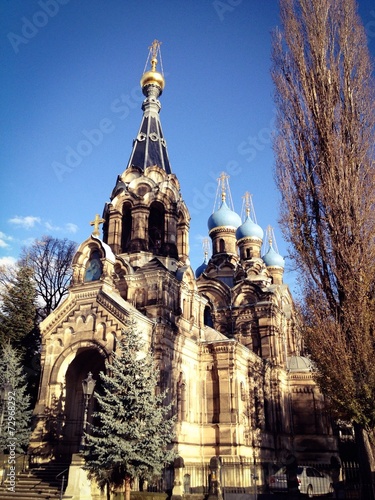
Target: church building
point(225, 336)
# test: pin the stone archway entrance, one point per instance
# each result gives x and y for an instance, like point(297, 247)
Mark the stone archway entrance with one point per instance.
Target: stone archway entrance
point(86, 360)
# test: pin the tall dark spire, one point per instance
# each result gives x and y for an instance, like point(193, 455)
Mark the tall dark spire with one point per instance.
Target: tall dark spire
point(149, 147)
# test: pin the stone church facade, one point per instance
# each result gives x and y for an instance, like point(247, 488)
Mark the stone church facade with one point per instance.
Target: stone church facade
point(225, 337)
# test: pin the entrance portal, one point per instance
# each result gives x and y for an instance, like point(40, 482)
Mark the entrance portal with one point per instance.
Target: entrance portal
point(86, 360)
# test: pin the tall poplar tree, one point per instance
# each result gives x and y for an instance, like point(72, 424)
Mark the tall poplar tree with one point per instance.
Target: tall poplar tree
point(132, 433)
point(325, 172)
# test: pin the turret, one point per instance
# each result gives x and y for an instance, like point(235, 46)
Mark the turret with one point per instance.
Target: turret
point(203, 266)
point(146, 215)
point(274, 261)
point(223, 223)
point(249, 235)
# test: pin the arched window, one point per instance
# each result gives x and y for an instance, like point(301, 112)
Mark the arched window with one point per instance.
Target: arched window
point(207, 317)
point(182, 401)
point(126, 230)
point(156, 228)
point(221, 245)
point(94, 267)
point(181, 398)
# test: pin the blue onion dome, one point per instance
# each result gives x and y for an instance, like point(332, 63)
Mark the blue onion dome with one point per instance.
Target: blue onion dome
point(224, 217)
point(249, 230)
point(273, 259)
point(201, 268)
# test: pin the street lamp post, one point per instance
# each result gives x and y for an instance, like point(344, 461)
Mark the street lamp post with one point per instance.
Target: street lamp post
point(88, 386)
point(216, 479)
point(4, 392)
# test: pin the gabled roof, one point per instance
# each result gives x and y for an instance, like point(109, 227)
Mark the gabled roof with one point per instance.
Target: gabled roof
point(152, 265)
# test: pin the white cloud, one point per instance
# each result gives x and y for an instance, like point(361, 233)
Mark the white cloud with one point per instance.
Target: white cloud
point(30, 221)
point(8, 261)
point(71, 228)
point(26, 222)
point(51, 227)
point(4, 239)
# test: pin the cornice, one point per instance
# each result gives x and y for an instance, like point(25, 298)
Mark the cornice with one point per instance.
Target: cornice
point(113, 308)
point(223, 229)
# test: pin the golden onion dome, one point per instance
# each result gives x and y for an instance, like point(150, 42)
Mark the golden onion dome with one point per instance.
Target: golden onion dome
point(153, 77)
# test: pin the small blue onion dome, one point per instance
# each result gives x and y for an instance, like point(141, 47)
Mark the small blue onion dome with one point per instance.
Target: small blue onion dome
point(273, 259)
point(249, 230)
point(224, 216)
point(201, 268)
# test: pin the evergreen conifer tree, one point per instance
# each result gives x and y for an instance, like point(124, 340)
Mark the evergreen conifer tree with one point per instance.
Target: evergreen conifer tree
point(16, 412)
point(132, 430)
point(18, 323)
point(18, 308)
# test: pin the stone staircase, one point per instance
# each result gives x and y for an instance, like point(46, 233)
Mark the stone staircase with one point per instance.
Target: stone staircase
point(43, 482)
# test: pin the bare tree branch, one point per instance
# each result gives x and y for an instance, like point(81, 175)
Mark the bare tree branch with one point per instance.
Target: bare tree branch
point(324, 146)
point(50, 259)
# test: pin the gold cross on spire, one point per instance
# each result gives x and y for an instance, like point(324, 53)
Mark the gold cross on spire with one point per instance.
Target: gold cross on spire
point(154, 49)
point(247, 202)
point(223, 179)
point(269, 234)
point(96, 222)
point(206, 247)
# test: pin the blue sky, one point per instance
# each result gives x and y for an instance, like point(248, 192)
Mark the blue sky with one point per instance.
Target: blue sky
point(70, 67)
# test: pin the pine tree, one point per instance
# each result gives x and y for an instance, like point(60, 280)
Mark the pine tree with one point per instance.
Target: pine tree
point(132, 430)
point(18, 322)
point(18, 308)
point(16, 412)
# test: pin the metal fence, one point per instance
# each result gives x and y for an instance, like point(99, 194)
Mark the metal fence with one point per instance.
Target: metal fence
point(352, 487)
point(248, 480)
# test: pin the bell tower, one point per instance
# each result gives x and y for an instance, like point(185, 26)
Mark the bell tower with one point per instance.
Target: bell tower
point(146, 215)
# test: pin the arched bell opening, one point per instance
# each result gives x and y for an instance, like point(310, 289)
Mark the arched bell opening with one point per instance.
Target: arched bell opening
point(207, 316)
point(127, 223)
point(80, 407)
point(156, 223)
